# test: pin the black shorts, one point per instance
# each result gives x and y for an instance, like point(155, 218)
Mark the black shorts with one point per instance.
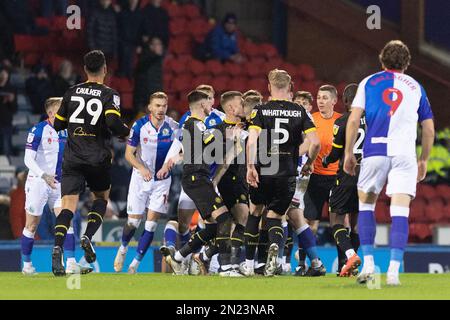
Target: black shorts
point(317, 194)
point(75, 176)
point(275, 193)
point(234, 190)
point(344, 195)
point(201, 190)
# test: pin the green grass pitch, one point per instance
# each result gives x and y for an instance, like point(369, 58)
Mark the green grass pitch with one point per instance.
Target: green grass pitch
point(166, 286)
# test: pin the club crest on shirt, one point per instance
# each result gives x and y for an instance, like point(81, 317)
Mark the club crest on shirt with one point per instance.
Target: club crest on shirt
point(335, 129)
point(165, 132)
point(212, 122)
point(253, 114)
point(116, 101)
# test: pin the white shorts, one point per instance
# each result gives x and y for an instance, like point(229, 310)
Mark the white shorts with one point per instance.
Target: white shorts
point(184, 202)
point(152, 195)
point(300, 189)
point(38, 194)
point(399, 171)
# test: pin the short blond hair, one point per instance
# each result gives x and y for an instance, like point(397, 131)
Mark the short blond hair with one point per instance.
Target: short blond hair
point(158, 95)
point(252, 101)
point(251, 92)
point(52, 102)
point(206, 88)
point(280, 79)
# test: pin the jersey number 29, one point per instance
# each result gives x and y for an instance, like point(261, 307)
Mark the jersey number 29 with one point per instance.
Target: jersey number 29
point(95, 113)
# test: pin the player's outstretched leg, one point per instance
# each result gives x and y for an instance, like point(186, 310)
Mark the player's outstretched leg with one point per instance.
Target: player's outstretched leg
point(72, 267)
point(143, 245)
point(307, 240)
point(95, 219)
point(399, 240)
point(62, 226)
point(251, 236)
point(367, 230)
point(27, 241)
point(175, 259)
point(343, 242)
point(127, 234)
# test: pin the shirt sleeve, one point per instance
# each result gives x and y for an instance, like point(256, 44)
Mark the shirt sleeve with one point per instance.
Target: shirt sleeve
point(308, 123)
point(360, 98)
point(112, 104)
point(256, 119)
point(34, 139)
point(424, 110)
point(135, 135)
point(338, 142)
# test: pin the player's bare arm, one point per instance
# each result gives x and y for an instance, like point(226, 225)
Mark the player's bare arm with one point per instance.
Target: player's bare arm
point(174, 155)
point(233, 152)
point(427, 144)
point(313, 151)
point(252, 174)
point(350, 138)
point(304, 147)
point(130, 156)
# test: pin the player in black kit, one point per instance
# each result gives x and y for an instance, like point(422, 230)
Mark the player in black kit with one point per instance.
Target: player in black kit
point(344, 194)
point(90, 111)
point(272, 163)
point(199, 188)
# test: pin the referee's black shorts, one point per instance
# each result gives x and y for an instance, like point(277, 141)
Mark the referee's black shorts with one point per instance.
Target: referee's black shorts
point(75, 176)
point(275, 193)
point(233, 189)
point(344, 195)
point(317, 194)
point(201, 190)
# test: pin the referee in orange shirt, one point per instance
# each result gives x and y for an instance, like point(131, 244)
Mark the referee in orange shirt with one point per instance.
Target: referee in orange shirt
point(322, 179)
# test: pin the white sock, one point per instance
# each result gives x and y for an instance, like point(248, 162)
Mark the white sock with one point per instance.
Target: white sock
point(123, 249)
point(283, 260)
point(135, 263)
point(369, 264)
point(71, 260)
point(250, 263)
point(316, 263)
point(394, 267)
point(259, 265)
point(350, 253)
point(27, 264)
point(204, 256)
point(178, 256)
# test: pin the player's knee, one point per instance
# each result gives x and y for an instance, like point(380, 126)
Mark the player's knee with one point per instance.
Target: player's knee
point(150, 226)
point(133, 222)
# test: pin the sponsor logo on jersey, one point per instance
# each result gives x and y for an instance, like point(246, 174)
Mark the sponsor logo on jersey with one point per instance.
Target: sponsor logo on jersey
point(254, 112)
point(145, 140)
point(116, 102)
point(30, 137)
point(335, 129)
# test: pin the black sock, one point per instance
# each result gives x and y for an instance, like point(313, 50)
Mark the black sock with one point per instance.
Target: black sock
point(95, 217)
point(343, 243)
point(354, 238)
point(210, 250)
point(223, 238)
point(199, 239)
point(61, 226)
point(276, 232)
point(251, 236)
point(262, 246)
point(237, 240)
point(288, 245)
point(301, 256)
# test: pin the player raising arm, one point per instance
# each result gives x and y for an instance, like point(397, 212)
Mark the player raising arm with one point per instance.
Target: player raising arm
point(90, 111)
point(393, 103)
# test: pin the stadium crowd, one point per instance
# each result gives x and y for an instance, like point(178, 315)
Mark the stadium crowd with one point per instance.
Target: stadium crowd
point(135, 37)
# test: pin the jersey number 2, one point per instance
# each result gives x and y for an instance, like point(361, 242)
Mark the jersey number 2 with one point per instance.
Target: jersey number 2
point(95, 113)
point(357, 149)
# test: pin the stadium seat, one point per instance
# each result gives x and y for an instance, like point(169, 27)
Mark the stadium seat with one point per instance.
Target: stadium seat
point(199, 28)
point(182, 83)
point(174, 10)
point(181, 45)
point(426, 190)
point(447, 213)
point(382, 212)
point(307, 72)
point(197, 67)
point(126, 100)
point(233, 69)
point(239, 84)
point(269, 50)
point(254, 70)
point(444, 191)
point(271, 64)
point(178, 27)
point(220, 83)
point(259, 84)
point(435, 212)
point(420, 232)
point(191, 11)
point(290, 68)
point(215, 67)
point(250, 49)
point(201, 79)
point(417, 211)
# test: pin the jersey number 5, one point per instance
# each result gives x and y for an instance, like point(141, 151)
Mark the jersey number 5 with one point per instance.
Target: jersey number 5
point(279, 130)
point(95, 113)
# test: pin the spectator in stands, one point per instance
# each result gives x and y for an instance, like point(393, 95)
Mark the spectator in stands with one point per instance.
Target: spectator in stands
point(130, 22)
point(17, 205)
point(221, 43)
point(64, 79)
point(102, 30)
point(156, 22)
point(8, 106)
point(49, 8)
point(38, 88)
point(5, 227)
point(20, 17)
point(148, 78)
